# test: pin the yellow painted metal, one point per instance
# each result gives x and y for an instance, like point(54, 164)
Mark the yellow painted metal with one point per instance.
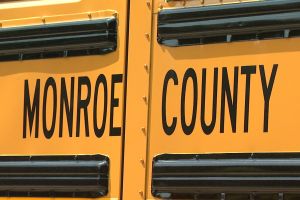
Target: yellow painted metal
point(283, 125)
point(137, 99)
point(173, 4)
point(14, 73)
point(148, 63)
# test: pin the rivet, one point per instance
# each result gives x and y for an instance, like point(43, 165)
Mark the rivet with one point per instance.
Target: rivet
point(145, 99)
point(161, 6)
point(146, 67)
point(143, 130)
point(148, 3)
point(90, 15)
point(141, 193)
point(147, 35)
point(142, 162)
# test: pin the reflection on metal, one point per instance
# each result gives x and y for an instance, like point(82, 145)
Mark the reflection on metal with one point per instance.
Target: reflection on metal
point(226, 176)
point(54, 176)
point(229, 22)
point(9, 4)
point(78, 38)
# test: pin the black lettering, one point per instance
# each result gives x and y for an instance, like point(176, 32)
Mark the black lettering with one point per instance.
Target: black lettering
point(232, 102)
point(32, 111)
point(171, 74)
point(82, 104)
point(208, 128)
point(190, 73)
point(267, 90)
point(69, 107)
point(100, 80)
point(49, 83)
point(247, 70)
point(114, 102)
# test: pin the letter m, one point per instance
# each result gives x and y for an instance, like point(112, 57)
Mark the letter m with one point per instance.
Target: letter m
point(31, 111)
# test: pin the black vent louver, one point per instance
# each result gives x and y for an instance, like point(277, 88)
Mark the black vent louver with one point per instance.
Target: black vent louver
point(91, 37)
point(226, 176)
point(54, 176)
point(257, 20)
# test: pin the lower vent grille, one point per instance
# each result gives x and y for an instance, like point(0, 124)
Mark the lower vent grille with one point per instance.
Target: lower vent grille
point(227, 176)
point(54, 176)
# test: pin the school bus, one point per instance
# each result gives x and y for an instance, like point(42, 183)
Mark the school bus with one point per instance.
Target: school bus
point(149, 99)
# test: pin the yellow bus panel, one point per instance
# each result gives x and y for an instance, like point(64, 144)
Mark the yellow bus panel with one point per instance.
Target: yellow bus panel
point(62, 75)
point(224, 101)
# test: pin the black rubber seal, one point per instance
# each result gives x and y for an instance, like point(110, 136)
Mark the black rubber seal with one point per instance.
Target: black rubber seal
point(226, 176)
point(54, 176)
point(80, 38)
point(268, 19)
